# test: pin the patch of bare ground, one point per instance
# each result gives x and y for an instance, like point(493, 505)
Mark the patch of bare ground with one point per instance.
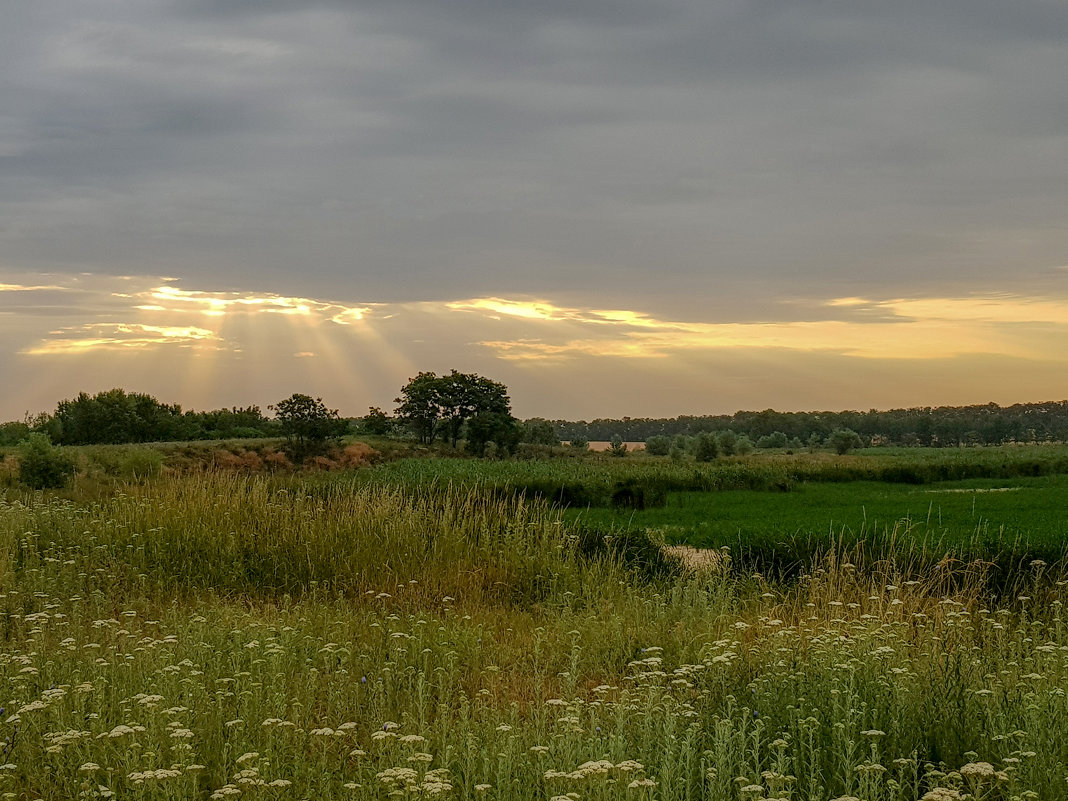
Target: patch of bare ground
point(697, 560)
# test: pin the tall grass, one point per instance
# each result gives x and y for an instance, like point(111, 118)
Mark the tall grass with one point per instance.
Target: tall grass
point(216, 637)
point(247, 534)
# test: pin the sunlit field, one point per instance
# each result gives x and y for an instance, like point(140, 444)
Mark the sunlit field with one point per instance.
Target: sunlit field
point(444, 628)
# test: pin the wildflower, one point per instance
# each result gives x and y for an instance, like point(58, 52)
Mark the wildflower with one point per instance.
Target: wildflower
point(941, 794)
point(638, 784)
point(978, 771)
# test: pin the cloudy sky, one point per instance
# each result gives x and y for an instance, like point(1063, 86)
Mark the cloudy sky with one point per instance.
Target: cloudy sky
point(643, 207)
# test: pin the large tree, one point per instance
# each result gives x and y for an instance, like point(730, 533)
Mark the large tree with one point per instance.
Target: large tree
point(419, 406)
point(307, 422)
point(436, 405)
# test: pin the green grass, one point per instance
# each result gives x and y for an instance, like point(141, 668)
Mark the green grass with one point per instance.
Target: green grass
point(1032, 510)
point(218, 636)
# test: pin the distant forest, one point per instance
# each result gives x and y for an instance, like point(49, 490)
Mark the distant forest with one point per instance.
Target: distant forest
point(940, 426)
point(116, 416)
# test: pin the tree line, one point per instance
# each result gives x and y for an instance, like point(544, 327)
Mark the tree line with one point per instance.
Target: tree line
point(941, 426)
point(116, 416)
point(467, 408)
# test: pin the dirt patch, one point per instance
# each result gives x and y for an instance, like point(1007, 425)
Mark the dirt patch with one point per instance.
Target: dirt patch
point(697, 560)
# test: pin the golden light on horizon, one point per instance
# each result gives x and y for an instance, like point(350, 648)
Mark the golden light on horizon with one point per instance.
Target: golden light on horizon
point(209, 340)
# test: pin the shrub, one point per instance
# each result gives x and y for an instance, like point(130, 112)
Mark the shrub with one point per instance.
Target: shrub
point(658, 445)
point(776, 439)
point(42, 465)
point(728, 442)
point(844, 440)
point(706, 449)
point(580, 444)
point(617, 447)
point(743, 445)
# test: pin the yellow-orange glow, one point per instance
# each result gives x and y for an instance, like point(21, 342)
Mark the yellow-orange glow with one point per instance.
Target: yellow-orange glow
point(223, 338)
point(110, 336)
point(29, 287)
point(530, 310)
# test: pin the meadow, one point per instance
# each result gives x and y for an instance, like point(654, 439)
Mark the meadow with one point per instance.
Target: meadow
point(444, 628)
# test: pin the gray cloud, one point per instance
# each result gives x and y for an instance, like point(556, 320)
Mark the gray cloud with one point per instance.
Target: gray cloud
point(705, 157)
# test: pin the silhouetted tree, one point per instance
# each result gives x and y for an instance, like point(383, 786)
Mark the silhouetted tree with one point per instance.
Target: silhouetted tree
point(434, 405)
point(307, 423)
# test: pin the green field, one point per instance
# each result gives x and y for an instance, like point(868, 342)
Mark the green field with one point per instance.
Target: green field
point(444, 628)
point(990, 512)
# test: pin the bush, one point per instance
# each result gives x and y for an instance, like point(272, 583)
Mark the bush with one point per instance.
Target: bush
point(580, 444)
point(776, 439)
point(13, 433)
point(42, 465)
point(728, 442)
point(658, 445)
point(706, 449)
point(743, 446)
point(844, 440)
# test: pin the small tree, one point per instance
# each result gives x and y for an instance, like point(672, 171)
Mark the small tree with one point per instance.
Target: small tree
point(844, 440)
point(579, 443)
point(42, 465)
point(706, 448)
point(538, 431)
point(728, 442)
point(658, 445)
point(617, 447)
point(307, 423)
point(376, 422)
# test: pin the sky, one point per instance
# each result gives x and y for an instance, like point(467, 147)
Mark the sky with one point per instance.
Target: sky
point(616, 207)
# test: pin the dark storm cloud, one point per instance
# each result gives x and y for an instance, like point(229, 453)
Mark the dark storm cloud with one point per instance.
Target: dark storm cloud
point(700, 156)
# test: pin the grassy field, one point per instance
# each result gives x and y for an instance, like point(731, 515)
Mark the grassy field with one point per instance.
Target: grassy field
point(387, 633)
point(993, 514)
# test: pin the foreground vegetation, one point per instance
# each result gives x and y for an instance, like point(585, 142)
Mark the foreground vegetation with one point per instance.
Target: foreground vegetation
point(373, 634)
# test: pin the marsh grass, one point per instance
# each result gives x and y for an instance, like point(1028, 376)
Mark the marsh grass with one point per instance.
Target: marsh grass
point(218, 636)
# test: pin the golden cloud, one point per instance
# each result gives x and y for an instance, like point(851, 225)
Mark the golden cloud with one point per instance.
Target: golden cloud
point(217, 304)
point(119, 336)
point(526, 329)
point(921, 328)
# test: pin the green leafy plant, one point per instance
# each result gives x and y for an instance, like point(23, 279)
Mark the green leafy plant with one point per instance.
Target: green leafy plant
point(42, 465)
